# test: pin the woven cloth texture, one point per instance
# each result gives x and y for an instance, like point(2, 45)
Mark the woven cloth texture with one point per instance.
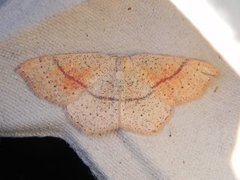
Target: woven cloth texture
point(198, 141)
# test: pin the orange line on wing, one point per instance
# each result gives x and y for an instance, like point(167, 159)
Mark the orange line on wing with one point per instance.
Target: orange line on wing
point(169, 77)
point(69, 76)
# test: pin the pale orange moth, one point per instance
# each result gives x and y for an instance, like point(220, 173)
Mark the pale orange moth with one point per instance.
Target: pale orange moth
point(102, 93)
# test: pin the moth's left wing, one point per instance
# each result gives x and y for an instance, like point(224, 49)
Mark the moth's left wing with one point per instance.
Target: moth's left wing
point(61, 79)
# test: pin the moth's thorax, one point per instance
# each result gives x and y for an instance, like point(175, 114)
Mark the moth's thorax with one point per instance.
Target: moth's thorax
point(122, 82)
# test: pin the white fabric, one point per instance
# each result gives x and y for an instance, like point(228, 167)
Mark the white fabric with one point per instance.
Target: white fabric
point(198, 141)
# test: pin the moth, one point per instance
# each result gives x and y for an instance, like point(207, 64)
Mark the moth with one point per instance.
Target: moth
point(102, 93)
